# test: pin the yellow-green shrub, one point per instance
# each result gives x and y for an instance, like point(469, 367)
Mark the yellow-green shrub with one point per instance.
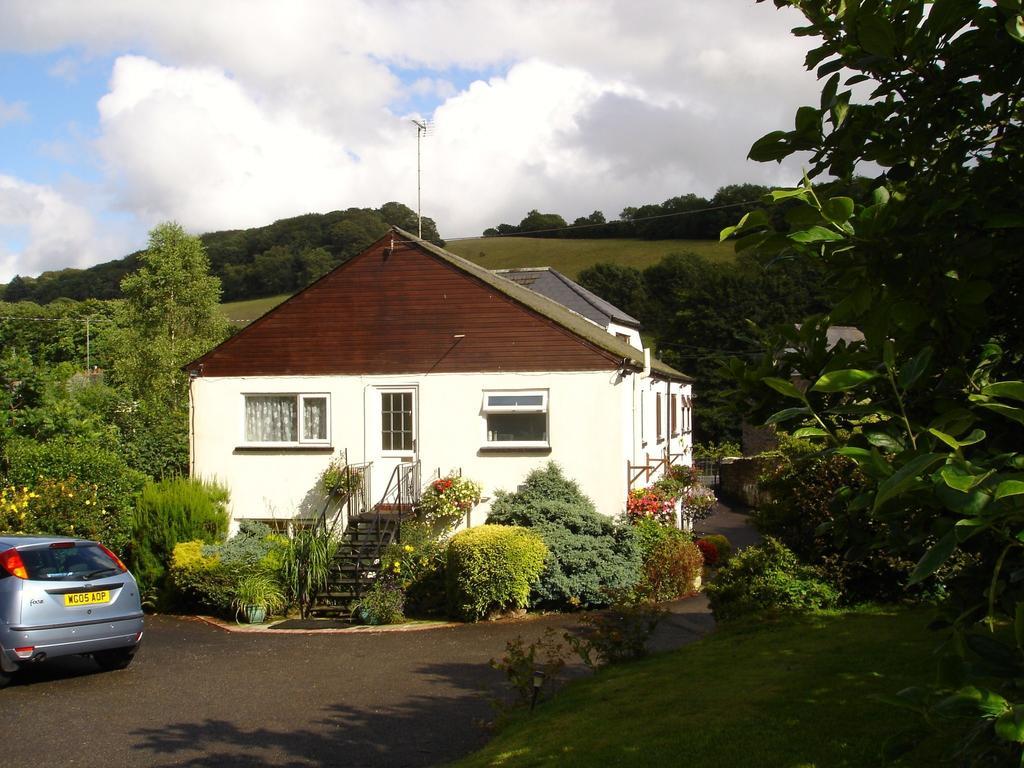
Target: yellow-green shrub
point(492, 568)
point(201, 580)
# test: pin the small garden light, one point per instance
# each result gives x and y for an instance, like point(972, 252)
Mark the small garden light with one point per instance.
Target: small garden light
point(538, 683)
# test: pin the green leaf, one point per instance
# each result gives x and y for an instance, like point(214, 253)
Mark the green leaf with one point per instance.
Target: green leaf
point(816, 235)
point(971, 701)
point(771, 146)
point(959, 479)
point(1015, 26)
point(947, 439)
point(1009, 488)
point(808, 121)
point(883, 440)
point(839, 381)
point(1015, 414)
point(933, 559)
point(841, 108)
point(838, 209)
point(784, 387)
point(975, 437)
point(913, 370)
point(870, 461)
point(1014, 390)
point(1010, 725)
point(876, 35)
point(787, 194)
point(786, 414)
point(905, 477)
point(811, 432)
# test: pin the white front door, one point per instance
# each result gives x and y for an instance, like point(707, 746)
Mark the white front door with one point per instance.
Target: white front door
point(395, 411)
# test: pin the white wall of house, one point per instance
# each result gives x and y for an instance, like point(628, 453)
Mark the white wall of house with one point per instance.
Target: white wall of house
point(593, 429)
point(625, 332)
point(649, 442)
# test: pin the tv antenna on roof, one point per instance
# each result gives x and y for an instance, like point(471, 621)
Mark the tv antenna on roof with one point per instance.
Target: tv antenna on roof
point(422, 127)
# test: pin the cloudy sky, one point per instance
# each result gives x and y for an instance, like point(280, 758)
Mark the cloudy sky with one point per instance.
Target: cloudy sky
point(118, 114)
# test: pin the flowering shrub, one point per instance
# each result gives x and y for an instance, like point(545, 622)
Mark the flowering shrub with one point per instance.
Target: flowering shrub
point(709, 551)
point(67, 507)
point(698, 501)
point(650, 503)
point(448, 499)
point(14, 507)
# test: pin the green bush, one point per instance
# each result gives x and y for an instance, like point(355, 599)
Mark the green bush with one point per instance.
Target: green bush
point(201, 580)
point(383, 604)
point(590, 555)
point(672, 568)
point(31, 464)
point(492, 568)
point(416, 563)
point(207, 576)
point(722, 546)
point(171, 511)
point(766, 577)
point(808, 510)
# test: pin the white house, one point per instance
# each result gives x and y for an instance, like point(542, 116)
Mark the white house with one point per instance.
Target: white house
point(408, 353)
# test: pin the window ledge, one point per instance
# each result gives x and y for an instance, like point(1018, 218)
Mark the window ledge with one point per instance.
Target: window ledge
point(284, 449)
point(526, 450)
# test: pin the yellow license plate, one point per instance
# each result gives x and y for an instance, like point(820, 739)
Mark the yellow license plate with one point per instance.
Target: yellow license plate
point(87, 598)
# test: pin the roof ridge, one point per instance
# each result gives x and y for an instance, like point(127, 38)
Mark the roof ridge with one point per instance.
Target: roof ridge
point(538, 302)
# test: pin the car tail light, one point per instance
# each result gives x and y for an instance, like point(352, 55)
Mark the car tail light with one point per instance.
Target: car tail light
point(11, 562)
point(25, 652)
point(115, 558)
point(63, 545)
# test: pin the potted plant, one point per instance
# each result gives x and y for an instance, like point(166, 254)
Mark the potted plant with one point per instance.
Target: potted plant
point(340, 480)
point(258, 595)
point(447, 500)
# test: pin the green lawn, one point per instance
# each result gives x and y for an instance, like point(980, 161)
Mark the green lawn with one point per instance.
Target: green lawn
point(251, 309)
point(572, 256)
point(795, 694)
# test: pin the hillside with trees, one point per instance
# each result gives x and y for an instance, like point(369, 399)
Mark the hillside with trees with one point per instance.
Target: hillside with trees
point(251, 263)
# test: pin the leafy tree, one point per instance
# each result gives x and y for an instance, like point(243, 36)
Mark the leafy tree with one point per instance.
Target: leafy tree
point(929, 406)
point(170, 315)
point(539, 223)
point(621, 285)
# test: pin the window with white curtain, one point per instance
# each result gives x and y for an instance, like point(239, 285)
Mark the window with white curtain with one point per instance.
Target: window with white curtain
point(292, 419)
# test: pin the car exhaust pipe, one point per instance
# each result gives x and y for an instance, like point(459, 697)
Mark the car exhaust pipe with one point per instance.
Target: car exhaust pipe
point(37, 657)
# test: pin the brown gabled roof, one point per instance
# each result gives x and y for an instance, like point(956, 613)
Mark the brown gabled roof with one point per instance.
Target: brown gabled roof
point(274, 333)
point(548, 308)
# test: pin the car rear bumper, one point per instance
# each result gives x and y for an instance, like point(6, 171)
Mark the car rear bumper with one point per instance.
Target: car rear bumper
point(68, 639)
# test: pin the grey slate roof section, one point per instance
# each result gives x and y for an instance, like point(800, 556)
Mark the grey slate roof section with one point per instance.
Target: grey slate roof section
point(550, 309)
point(568, 293)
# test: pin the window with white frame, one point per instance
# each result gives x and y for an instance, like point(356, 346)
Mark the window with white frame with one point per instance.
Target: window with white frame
point(291, 419)
point(516, 419)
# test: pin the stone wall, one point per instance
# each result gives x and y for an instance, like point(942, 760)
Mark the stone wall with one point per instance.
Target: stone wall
point(739, 480)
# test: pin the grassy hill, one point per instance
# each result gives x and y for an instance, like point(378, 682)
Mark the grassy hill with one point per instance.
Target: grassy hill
point(569, 257)
point(238, 311)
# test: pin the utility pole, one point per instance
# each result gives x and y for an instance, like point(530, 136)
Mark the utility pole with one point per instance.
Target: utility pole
point(421, 130)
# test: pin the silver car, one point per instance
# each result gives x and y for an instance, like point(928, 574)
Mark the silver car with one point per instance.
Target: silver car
point(60, 597)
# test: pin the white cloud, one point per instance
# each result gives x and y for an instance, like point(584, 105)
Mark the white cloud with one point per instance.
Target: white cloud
point(12, 111)
point(50, 231)
point(235, 113)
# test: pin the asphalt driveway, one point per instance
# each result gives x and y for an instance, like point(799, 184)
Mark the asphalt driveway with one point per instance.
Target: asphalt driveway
point(199, 696)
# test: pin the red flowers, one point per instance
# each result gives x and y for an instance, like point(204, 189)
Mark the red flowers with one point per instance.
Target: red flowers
point(443, 485)
point(709, 550)
point(650, 502)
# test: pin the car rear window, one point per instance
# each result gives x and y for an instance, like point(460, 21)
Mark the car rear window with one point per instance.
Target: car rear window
point(75, 563)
